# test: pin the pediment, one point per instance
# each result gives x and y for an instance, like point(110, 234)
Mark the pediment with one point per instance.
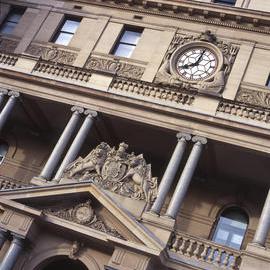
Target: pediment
point(83, 209)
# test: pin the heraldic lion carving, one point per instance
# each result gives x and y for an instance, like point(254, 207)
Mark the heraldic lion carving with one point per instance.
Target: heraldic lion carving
point(116, 170)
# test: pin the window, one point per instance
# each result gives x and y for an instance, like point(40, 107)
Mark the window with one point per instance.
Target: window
point(225, 2)
point(268, 82)
point(3, 151)
point(127, 42)
point(231, 227)
point(11, 20)
point(67, 31)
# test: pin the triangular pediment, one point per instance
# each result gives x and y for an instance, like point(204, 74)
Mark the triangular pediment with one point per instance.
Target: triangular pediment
point(85, 209)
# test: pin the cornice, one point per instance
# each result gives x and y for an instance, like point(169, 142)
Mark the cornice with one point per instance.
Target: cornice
point(231, 17)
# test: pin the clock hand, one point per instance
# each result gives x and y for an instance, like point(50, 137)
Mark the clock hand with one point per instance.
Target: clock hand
point(194, 64)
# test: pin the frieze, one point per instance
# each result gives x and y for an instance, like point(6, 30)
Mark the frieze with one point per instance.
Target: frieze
point(197, 12)
point(9, 183)
point(205, 49)
point(85, 215)
point(116, 170)
point(52, 54)
point(8, 45)
point(254, 97)
point(115, 67)
point(149, 90)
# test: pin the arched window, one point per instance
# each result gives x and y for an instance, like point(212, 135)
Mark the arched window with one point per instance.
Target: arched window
point(231, 227)
point(3, 151)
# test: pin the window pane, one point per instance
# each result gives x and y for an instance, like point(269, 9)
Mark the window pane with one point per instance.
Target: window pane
point(7, 28)
point(14, 17)
point(63, 39)
point(131, 37)
point(124, 50)
point(70, 26)
point(227, 2)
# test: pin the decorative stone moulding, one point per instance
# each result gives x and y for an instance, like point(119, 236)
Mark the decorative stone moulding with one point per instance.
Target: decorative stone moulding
point(8, 45)
point(63, 71)
point(244, 111)
point(8, 59)
point(115, 170)
point(114, 66)
point(197, 12)
point(260, 98)
point(8, 183)
point(52, 54)
point(85, 215)
point(189, 56)
point(144, 89)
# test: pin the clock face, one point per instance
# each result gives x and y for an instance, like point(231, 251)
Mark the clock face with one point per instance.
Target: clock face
point(196, 63)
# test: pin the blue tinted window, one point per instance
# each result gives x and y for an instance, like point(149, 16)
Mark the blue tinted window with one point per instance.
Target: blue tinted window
point(66, 32)
point(11, 21)
point(127, 42)
point(226, 2)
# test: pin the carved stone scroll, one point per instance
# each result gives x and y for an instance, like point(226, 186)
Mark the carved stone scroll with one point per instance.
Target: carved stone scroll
point(83, 214)
point(116, 170)
point(114, 67)
point(52, 54)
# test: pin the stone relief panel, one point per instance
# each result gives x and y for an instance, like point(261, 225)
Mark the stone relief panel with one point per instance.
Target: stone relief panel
point(85, 215)
point(200, 62)
point(8, 45)
point(116, 170)
point(115, 67)
point(52, 54)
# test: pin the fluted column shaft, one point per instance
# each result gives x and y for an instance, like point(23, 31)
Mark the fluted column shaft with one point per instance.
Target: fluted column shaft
point(3, 237)
point(186, 176)
point(12, 254)
point(170, 172)
point(60, 146)
point(3, 93)
point(77, 143)
point(264, 223)
point(5, 113)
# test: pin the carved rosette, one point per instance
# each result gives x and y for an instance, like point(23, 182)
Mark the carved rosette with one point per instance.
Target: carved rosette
point(83, 214)
point(116, 170)
point(226, 53)
point(114, 67)
point(52, 54)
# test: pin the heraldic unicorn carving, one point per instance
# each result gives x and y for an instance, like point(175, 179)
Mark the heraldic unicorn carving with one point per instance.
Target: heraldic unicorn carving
point(116, 170)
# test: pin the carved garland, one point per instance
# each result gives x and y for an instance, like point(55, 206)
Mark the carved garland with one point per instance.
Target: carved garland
point(83, 214)
point(114, 67)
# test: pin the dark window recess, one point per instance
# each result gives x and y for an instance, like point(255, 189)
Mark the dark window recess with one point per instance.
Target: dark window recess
point(231, 228)
point(66, 32)
point(127, 42)
point(11, 20)
point(3, 151)
point(225, 2)
point(268, 82)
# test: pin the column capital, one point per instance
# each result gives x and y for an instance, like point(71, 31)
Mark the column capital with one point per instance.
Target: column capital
point(13, 94)
point(183, 136)
point(3, 91)
point(77, 109)
point(90, 113)
point(199, 139)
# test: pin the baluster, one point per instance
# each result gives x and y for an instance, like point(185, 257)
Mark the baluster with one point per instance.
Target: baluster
point(190, 246)
point(182, 247)
point(197, 249)
point(226, 260)
point(205, 252)
point(232, 263)
point(217, 257)
point(211, 254)
point(176, 243)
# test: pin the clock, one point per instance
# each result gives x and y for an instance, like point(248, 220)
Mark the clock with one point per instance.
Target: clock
point(83, 213)
point(196, 61)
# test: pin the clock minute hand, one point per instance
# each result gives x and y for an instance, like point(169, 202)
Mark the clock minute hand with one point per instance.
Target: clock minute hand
point(194, 64)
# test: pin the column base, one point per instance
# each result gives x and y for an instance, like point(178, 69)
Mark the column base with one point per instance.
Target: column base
point(39, 181)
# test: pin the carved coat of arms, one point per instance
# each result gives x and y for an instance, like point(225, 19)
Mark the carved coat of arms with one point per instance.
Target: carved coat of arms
point(116, 170)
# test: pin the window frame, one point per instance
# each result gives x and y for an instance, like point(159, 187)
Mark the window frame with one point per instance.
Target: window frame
point(18, 10)
point(118, 41)
point(59, 30)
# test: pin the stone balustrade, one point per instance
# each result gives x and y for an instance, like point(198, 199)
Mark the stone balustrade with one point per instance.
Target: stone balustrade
point(63, 71)
point(154, 92)
point(8, 59)
point(206, 251)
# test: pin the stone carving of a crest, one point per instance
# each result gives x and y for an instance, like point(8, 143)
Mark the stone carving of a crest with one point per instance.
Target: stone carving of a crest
point(116, 170)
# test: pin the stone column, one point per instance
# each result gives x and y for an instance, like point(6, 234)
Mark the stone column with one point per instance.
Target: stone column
point(61, 144)
point(77, 143)
point(170, 172)
point(186, 176)
point(5, 113)
point(3, 92)
point(264, 223)
point(3, 237)
point(12, 254)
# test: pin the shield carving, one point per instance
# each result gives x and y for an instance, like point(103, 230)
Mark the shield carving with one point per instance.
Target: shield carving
point(113, 170)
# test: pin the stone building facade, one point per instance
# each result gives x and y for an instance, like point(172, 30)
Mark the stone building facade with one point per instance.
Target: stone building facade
point(134, 134)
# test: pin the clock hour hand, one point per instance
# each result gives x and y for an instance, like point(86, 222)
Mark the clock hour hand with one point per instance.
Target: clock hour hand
point(194, 64)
